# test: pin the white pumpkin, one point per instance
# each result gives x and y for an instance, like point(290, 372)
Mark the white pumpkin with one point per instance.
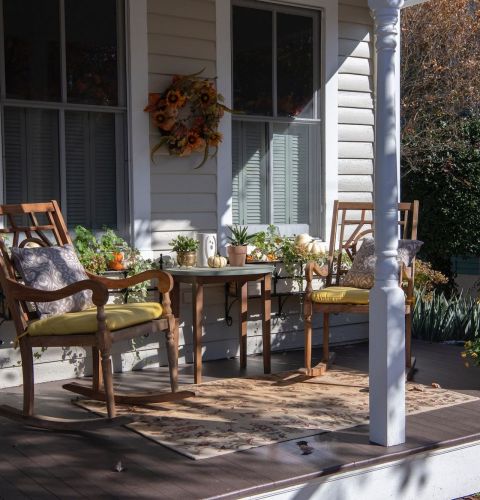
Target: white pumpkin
point(217, 261)
point(318, 247)
point(302, 240)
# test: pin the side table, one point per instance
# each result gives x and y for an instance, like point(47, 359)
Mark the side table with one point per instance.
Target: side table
point(199, 276)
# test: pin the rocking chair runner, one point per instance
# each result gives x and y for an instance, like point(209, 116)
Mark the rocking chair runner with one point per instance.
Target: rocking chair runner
point(351, 223)
point(98, 328)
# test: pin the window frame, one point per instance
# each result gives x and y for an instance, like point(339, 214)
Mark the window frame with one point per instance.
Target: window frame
point(315, 154)
point(63, 106)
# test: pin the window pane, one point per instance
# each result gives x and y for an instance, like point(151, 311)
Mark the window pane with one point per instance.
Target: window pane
point(31, 155)
point(295, 65)
point(249, 173)
point(32, 49)
point(252, 61)
point(290, 146)
point(91, 40)
point(91, 169)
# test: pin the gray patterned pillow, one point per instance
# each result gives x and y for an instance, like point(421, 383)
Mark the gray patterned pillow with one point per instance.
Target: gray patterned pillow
point(52, 268)
point(361, 274)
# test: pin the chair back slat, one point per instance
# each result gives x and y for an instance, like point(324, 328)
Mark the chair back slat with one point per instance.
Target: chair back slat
point(351, 223)
point(23, 224)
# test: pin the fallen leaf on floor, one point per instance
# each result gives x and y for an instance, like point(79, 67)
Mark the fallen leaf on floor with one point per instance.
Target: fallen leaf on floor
point(435, 385)
point(119, 467)
point(417, 388)
point(303, 445)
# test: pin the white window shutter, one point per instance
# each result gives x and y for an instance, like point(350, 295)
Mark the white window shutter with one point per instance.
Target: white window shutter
point(77, 177)
point(290, 174)
point(104, 170)
point(249, 173)
point(31, 155)
point(91, 169)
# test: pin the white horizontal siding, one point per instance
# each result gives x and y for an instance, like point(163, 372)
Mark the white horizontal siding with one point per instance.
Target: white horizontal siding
point(356, 196)
point(355, 150)
point(348, 166)
point(353, 14)
point(354, 31)
point(355, 99)
point(181, 40)
point(356, 116)
point(355, 183)
point(355, 102)
point(193, 29)
point(180, 46)
point(357, 83)
point(353, 48)
point(355, 133)
point(354, 65)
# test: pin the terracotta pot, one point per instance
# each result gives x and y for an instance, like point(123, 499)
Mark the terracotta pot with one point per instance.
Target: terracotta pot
point(187, 259)
point(237, 255)
point(116, 264)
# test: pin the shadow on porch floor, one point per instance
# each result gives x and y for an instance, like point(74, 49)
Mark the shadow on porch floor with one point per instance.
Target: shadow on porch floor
point(38, 464)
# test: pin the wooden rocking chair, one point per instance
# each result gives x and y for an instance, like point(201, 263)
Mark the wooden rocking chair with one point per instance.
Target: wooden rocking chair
point(351, 223)
point(43, 224)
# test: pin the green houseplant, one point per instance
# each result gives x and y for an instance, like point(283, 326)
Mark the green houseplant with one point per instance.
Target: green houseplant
point(186, 248)
point(95, 254)
point(239, 239)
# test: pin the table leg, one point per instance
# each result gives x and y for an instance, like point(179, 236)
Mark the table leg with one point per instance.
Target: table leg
point(175, 298)
point(197, 317)
point(266, 314)
point(243, 320)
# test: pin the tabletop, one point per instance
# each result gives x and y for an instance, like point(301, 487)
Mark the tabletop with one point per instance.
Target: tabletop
point(251, 269)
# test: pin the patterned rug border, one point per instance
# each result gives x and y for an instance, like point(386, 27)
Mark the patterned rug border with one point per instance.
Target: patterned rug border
point(246, 425)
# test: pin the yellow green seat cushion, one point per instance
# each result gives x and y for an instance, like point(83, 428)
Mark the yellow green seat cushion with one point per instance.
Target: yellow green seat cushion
point(341, 295)
point(118, 316)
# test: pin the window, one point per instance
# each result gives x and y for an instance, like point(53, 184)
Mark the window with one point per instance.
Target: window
point(276, 130)
point(62, 105)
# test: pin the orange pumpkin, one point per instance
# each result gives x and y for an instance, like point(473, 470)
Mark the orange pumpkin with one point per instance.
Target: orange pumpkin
point(116, 264)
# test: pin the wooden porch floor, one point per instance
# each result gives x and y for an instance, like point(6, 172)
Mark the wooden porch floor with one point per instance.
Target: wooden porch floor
point(38, 464)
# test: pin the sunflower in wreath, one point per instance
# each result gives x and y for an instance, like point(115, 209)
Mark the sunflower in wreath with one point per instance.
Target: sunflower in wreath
point(188, 114)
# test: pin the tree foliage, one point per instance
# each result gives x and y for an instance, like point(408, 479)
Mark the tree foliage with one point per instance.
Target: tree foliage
point(441, 125)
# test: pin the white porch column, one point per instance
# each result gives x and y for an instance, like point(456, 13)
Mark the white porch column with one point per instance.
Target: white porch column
point(387, 302)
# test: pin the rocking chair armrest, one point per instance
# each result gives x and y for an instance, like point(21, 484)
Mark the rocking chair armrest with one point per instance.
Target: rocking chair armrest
point(165, 280)
point(313, 268)
point(407, 280)
point(29, 294)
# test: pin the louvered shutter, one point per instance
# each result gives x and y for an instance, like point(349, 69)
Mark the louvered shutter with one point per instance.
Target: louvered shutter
point(236, 172)
point(31, 155)
point(77, 168)
point(290, 174)
point(104, 170)
point(91, 169)
point(249, 173)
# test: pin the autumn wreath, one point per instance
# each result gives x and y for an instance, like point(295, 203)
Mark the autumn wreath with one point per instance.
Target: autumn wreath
point(187, 114)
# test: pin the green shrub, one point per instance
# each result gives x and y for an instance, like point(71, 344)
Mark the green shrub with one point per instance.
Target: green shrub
point(94, 254)
point(442, 171)
point(438, 318)
point(426, 278)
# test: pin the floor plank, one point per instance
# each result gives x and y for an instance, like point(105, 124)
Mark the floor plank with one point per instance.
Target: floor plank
point(38, 464)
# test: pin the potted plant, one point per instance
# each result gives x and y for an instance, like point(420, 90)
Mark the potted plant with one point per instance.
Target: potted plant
point(237, 250)
point(186, 249)
point(114, 248)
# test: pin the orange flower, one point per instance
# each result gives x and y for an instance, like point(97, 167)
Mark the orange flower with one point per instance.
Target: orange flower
point(153, 101)
point(163, 120)
point(215, 139)
point(208, 95)
point(194, 141)
point(176, 98)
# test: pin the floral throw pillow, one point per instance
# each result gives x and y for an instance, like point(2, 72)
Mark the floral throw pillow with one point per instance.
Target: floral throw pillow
point(52, 268)
point(361, 274)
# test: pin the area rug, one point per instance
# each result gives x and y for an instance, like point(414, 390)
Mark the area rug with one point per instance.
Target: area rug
point(235, 414)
